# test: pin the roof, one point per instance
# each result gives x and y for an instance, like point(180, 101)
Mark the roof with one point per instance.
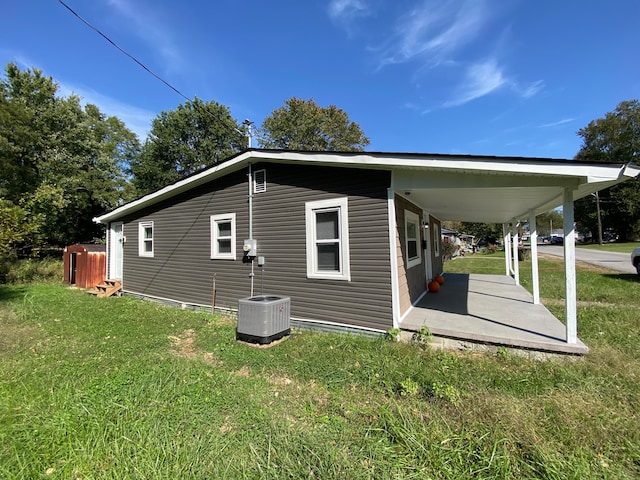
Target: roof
point(470, 188)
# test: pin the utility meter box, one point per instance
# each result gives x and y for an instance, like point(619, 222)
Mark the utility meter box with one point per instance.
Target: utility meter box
point(250, 247)
point(263, 319)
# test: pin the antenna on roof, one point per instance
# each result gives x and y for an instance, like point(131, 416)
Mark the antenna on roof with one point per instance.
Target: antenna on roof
point(249, 124)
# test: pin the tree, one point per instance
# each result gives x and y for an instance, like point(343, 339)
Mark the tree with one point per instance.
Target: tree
point(61, 163)
point(303, 125)
point(615, 138)
point(196, 135)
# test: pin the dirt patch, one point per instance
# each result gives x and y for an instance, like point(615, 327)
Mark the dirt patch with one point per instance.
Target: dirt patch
point(16, 338)
point(184, 346)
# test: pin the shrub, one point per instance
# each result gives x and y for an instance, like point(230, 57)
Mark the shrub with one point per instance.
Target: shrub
point(30, 270)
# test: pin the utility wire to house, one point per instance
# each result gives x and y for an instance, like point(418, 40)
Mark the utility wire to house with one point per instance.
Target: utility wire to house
point(95, 29)
point(246, 123)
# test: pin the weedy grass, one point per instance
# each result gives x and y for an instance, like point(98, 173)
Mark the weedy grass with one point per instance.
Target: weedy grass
point(622, 247)
point(122, 388)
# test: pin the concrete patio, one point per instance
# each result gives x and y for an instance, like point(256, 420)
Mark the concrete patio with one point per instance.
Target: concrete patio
point(490, 309)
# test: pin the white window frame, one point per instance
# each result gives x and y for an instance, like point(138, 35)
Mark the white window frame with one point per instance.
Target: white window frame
point(215, 253)
point(311, 208)
point(142, 252)
point(437, 239)
point(260, 181)
point(412, 218)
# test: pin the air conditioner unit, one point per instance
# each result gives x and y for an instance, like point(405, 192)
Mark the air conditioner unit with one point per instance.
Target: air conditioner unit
point(263, 319)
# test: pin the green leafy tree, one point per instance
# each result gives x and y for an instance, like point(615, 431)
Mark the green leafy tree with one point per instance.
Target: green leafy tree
point(196, 135)
point(551, 220)
point(615, 138)
point(61, 163)
point(487, 232)
point(303, 125)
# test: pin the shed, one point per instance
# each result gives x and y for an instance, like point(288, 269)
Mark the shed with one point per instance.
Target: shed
point(85, 265)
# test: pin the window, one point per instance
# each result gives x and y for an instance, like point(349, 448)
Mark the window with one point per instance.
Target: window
point(260, 181)
point(412, 238)
point(436, 240)
point(145, 239)
point(223, 236)
point(328, 239)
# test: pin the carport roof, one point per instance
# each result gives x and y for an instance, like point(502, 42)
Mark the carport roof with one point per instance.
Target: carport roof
point(468, 188)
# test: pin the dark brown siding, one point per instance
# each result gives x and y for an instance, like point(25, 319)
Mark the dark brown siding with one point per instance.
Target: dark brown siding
point(182, 270)
point(411, 281)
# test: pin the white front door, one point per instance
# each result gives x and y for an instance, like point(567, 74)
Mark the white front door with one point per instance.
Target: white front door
point(116, 245)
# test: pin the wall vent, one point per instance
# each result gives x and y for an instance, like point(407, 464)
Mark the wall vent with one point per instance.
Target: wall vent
point(260, 181)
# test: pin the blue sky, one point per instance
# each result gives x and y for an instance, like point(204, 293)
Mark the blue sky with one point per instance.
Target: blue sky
point(493, 77)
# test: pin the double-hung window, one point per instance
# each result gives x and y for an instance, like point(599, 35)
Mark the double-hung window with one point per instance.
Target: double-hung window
point(412, 238)
point(327, 227)
point(223, 236)
point(145, 239)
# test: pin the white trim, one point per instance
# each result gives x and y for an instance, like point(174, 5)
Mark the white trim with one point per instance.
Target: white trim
point(437, 239)
point(533, 238)
point(142, 251)
point(571, 315)
point(412, 218)
point(346, 325)
point(393, 257)
point(341, 206)
point(111, 261)
point(590, 177)
point(260, 186)
point(412, 307)
point(515, 239)
point(215, 252)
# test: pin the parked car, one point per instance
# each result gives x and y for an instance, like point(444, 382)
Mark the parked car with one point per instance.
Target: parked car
point(635, 259)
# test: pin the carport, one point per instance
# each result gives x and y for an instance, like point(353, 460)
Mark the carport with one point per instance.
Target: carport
point(506, 191)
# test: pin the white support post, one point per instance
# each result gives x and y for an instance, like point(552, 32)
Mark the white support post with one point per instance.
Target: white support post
point(535, 280)
point(570, 267)
point(506, 241)
point(516, 263)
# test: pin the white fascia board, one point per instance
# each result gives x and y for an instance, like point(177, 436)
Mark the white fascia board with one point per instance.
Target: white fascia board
point(175, 188)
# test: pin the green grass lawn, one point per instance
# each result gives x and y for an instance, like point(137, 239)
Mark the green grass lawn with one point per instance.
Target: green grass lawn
point(121, 388)
point(626, 247)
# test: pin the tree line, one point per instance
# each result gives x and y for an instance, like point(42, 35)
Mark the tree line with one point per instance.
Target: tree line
point(63, 163)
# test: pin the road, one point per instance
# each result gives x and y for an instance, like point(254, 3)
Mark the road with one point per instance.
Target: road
point(620, 262)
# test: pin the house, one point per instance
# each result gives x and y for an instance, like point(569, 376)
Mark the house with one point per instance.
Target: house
point(352, 237)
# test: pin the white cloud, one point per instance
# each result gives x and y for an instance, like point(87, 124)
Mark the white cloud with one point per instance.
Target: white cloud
point(346, 9)
point(433, 31)
point(555, 124)
point(528, 91)
point(151, 30)
point(480, 79)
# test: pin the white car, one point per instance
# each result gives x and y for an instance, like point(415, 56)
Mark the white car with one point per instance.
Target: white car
point(635, 259)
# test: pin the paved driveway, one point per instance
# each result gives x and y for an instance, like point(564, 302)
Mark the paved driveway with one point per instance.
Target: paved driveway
point(620, 262)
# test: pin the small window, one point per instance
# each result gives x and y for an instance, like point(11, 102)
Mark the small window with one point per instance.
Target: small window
point(436, 240)
point(328, 239)
point(145, 239)
point(260, 181)
point(223, 236)
point(412, 238)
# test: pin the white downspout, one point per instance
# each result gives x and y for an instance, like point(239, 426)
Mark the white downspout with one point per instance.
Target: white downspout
point(251, 275)
point(570, 267)
point(533, 230)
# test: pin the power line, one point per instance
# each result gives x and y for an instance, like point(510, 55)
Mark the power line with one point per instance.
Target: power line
point(95, 29)
point(246, 123)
